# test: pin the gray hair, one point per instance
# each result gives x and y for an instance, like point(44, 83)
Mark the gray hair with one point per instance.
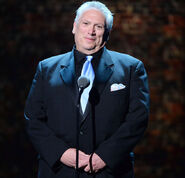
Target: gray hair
point(98, 6)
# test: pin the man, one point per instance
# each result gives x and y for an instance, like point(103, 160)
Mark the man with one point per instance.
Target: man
point(115, 115)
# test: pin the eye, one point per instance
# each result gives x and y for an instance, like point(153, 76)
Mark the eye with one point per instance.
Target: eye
point(85, 23)
point(99, 27)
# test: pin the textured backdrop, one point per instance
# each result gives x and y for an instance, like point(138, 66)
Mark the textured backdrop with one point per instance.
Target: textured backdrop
point(152, 31)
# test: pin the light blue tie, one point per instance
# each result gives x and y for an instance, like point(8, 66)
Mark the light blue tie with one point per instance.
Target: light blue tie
point(87, 71)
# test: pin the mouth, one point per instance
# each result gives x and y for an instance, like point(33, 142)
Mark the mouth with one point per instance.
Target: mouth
point(90, 39)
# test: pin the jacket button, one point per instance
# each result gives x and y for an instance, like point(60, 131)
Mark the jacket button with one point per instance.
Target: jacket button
point(81, 133)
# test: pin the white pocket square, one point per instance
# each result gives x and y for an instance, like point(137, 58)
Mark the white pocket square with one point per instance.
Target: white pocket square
point(116, 86)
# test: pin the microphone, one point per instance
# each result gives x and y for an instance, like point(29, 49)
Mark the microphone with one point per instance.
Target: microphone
point(83, 82)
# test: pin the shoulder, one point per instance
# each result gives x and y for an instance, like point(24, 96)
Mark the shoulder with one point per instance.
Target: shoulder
point(53, 60)
point(123, 58)
point(126, 62)
point(54, 63)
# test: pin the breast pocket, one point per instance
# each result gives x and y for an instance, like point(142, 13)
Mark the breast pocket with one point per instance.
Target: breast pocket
point(119, 96)
point(119, 92)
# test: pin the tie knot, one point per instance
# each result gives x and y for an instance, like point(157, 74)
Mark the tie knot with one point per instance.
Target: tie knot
point(89, 58)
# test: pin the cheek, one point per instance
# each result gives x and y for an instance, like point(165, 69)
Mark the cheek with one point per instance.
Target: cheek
point(100, 39)
point(82, 30)
point(78, 37)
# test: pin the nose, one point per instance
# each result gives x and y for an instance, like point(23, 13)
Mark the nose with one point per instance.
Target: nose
point(91, 30)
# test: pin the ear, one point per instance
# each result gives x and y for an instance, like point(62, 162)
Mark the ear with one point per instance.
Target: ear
point(74, 28)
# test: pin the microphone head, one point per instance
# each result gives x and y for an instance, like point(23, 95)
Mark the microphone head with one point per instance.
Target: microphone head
point(83, 82)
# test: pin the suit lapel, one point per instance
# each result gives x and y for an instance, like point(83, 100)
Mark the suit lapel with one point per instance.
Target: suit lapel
point(104, 71)
point(67, 71)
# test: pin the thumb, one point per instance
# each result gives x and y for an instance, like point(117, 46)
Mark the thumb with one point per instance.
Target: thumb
point(87, 168)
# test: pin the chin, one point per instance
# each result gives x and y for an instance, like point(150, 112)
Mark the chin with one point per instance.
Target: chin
point(90, 47)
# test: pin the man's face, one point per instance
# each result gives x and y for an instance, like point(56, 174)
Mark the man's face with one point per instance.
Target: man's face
point(89, 31)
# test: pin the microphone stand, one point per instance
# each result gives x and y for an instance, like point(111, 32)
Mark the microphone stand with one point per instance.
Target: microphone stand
point(77, 131)
point(83, 83)
point(93, 137)
point(94, 100)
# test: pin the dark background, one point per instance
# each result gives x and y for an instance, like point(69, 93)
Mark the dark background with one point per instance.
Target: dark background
point(151, 30)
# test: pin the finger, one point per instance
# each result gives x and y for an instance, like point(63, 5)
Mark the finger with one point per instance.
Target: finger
point(87, 168)
point(82, 153)
point(83, 157)
point(96, 170)
point(83, 164)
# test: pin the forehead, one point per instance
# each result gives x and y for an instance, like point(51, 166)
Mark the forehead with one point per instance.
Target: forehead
point(93, 15)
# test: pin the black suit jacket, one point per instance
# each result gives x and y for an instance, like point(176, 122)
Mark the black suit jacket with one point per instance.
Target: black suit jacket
point(119, 117)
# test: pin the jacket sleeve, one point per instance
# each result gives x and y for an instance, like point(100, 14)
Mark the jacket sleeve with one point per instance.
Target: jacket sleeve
point(115, 150)
point(47, 144)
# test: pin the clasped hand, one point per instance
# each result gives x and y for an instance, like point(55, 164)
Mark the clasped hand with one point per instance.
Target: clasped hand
point(69, 158)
